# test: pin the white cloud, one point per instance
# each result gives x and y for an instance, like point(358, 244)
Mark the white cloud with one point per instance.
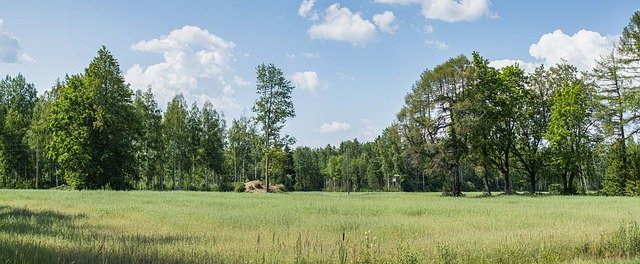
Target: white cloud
point(385, 20)
point(437, 44)
point(370, 131)
point(526, 66)
point(191, 56)
point(334, 127)
point(581, 50)
point(399, 2)
point(344, 76)
point(307, 80)
point(428, 29)
point(10, 51)
point(309, 55)
point(303, 54)
point(339, 23)
point(306, 9)
point(449, 10)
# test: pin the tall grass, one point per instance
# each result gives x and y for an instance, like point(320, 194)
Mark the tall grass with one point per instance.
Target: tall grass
point(180, 227)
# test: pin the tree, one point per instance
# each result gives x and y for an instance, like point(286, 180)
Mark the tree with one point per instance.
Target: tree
point(38, 134)
point(17, 101)
point(93, 124)
point(531, 125)
point(149, 146)
point(441, 89)
point(480, 117)
point(272, 107)
point(568, 131)
point(307, 167)
point(213, 136)
point(630, 44)
point(70, 123)
point(176, 137)
point(508, 102)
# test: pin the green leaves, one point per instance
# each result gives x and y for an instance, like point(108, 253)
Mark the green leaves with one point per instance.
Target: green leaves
point(93, 126)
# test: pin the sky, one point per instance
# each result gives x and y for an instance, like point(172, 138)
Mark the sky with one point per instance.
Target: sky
point(352, 62)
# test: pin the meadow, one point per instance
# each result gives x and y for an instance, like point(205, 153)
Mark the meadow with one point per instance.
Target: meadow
point(209, 227)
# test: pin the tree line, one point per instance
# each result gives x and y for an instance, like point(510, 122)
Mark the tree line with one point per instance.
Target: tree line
point(465, 126)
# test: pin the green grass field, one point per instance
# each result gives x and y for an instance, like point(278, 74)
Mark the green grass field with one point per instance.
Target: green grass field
point(184, 227)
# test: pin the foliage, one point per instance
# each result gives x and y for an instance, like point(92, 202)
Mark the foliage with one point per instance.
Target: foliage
point(239, 187)
point(272, 108)
point(93, 127)
point(555, 189)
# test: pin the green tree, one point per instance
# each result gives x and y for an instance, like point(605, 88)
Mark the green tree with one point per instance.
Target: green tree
point(176, 138)
point(531, 125)
point(568, 128)
point(93, 124)
point(308, 171)
point(480, 117)
point(70, 123)
point(38, 135)
point(508, 103)
point(149, 146)
point(619, 111)
point(17, 101)
point(272, 107)
point(245, 145)
point(213, 136)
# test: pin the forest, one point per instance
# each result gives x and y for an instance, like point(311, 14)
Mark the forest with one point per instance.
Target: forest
point(465, 126)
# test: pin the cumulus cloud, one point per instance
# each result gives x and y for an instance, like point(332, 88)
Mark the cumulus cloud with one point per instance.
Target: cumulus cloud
point(582, 49)
point(526, 66)
point(385, 21)
point(437, 44)
point(334, 127)
point(339, 23)
point(191, 57)
point(450, 10)
point(10, 51)
point(307, 80)
point(306, 9)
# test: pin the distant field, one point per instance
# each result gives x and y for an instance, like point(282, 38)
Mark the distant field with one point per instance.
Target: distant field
point(135, 227)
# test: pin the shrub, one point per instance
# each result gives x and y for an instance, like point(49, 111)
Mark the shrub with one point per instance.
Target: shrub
point(223, 187)
point(555, 189)
point(239, 187)
point(632, 188)
point(624, 242)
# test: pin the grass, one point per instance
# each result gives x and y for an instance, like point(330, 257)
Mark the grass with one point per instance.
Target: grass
point(181, 227)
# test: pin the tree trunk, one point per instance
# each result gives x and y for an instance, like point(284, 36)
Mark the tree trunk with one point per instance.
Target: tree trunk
point(266, 171)
point(455, 167)
point(565, 186)
point(533, 181)
point(485, 179)
point(173, 171)
point(505, 173)
point(206, 179)
point(570, 183)
point(37, 164)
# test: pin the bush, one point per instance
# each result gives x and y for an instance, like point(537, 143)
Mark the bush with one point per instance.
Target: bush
point(555, 189)
point(632, 188)
point(223, 187)
point(239, 187)
point(624, 242)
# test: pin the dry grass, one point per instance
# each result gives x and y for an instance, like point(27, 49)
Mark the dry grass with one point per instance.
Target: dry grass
point(258, 186)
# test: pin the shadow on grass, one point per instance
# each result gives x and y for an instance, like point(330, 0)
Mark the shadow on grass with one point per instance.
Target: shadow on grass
point(28, 236)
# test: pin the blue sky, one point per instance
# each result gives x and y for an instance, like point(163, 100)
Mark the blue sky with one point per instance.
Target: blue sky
point(351, 61)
